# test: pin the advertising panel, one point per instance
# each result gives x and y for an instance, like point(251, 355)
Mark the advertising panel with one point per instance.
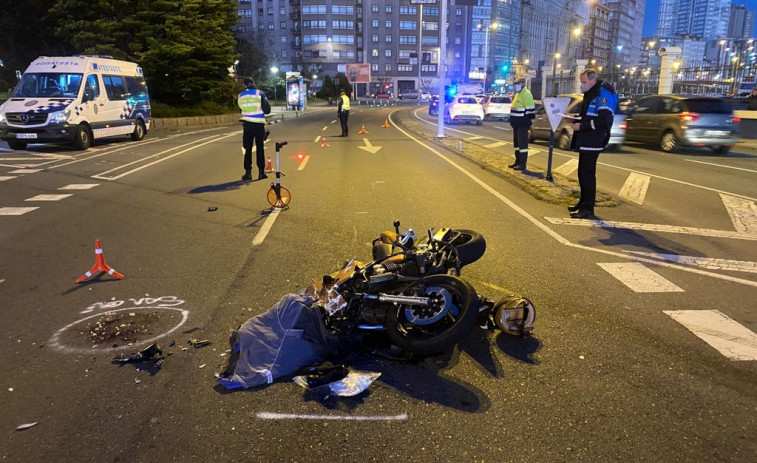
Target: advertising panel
point(359, 73)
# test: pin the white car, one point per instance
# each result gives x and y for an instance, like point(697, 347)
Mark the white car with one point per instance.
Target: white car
point(464, 109)
point(425, 96)
point(497, 107)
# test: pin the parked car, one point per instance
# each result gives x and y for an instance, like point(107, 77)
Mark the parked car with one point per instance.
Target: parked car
point(384, 95)
point(433, 106)
point(673, 121)
point(409, 94)
point(540, 127)
point(497, 107)
point(425, 96)
point(464, 109)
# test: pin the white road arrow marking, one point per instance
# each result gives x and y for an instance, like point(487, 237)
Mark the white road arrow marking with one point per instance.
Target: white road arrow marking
point(743, 213)
point(369, 147)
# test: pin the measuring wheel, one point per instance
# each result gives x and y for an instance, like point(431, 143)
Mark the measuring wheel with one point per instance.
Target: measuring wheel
point(278, 196)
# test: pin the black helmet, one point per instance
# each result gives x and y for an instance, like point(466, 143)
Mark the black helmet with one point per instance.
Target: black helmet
point(249, 83)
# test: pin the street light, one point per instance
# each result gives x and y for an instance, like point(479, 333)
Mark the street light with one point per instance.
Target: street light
point(486, 47)
point(274, 71)
point(577, 34)
point(554, 74)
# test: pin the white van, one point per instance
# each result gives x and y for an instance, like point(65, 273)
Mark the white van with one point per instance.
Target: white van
point(76, 100)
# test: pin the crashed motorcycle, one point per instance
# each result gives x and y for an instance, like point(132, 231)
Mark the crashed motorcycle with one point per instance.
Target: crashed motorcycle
point(411, 289)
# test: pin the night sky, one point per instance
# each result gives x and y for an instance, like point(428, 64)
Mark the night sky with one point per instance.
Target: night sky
point(650, 14)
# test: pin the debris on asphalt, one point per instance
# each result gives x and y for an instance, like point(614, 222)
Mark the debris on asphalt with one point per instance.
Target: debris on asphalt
point(350, 385)
point(26, 426)
point(212, 209)
point(172, 343)
point(137, 380)
point(145, 355)
point(197, 343)
point(203, 365)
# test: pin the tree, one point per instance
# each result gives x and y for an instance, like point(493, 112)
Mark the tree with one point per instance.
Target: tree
point(184, 46)
point(25, 33)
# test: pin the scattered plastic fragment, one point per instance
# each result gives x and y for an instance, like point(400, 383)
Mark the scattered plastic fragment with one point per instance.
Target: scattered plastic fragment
point(203, 365)
point(146, 354)
point(26, 426)
point(353, 384)
point(10, 389)
point(197, 343)
point(172, 343)
point(212, 209)
point(137, 381)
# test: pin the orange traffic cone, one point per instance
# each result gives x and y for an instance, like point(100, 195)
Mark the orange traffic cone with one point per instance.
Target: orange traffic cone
point(323, 142)
point(100, 266)
point(386, 123)
point(268, 165)
point(362, 130)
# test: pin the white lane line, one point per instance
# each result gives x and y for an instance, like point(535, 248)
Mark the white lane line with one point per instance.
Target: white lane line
point(635, 188)
point(79, 186)
point(137, 169)
point(743, 213)
point(567, 168)
point(500, 127)
point(475, 137)
point(554, 234)
point(4, 178)
point(16, 210)
point(639, 278)
point(25, 171)
point(299, 416)
point(704, 262)
point(654, 228)
point(317, 139)
point(83, 157)
point(325, 127)
point(495, 144)
point(263, 232)
point(721, 165)
point(727, 336)
point(47, 197)
point(304, 162)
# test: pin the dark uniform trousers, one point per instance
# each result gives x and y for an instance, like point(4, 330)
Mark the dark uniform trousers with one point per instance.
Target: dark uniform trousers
point(343, 116)
point(253, 132)
point(587, 177)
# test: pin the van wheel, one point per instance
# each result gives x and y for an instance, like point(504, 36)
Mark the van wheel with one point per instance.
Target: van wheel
point(139, 131)
point(83, 138)
point(668, 142)
point(563, 141)
point(721, 150)
point(480, 122)
point(17, 145)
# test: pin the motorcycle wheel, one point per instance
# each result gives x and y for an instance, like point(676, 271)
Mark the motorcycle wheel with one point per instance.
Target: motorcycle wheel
point(428, 330)
point(470, 245)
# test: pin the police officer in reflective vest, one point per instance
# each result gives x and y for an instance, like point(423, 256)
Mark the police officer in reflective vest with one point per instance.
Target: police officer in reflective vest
point(522, 112)
point(591, 135)
point(254, 106)
point(343, 110)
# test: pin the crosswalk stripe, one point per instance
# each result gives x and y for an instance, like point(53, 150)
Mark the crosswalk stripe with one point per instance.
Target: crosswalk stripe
point(639, 278)
point(47, 197)
point(24, 171)
point(743, 213)
point(635, 188)
point(727, 336)
point(79, 186)
point(703, 262)
point(475, 137)
point(654, 228)
point(496, 144)
point(16, 210)
point(4, 178)
point(567, 168)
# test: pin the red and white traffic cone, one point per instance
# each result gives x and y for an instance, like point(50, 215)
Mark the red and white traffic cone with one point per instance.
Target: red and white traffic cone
point(268, 165)
point(100, 266)
point(323, 142)
point(362, 130)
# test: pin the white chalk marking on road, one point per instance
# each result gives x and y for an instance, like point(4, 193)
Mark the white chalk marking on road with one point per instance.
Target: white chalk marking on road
point(568, 167)
point(704, 262)
point(300, 416)
point(194, 145)
point(721, 165)
point(361, 212)
point(304, 162)
point(727, 336)
point(263, 232)
point(25, 171)
point(47, 197)
point(496, 144)
point(743, 213)
point(79, 186)
point(635, 188)
point(16, 210)
point(4, 178)
point(554, 234)
point(654, 228)
point(639, 278)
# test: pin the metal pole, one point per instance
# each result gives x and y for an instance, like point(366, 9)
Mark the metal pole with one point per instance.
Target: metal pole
point(442, 72)
point(549, 158)
point(420, 53)
point(486, 54)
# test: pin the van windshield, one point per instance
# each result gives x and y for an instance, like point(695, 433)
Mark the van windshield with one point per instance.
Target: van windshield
point(48, 85)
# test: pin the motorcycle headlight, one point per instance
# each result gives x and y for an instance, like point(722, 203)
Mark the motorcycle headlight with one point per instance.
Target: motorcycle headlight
point(59, 117)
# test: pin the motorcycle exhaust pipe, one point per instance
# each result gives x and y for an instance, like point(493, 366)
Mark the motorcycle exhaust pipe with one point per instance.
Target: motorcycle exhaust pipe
point(406, 300)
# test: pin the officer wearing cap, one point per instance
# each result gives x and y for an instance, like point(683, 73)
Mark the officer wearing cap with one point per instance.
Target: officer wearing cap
point(254, 106)
point(343, 110)
point(522, 112)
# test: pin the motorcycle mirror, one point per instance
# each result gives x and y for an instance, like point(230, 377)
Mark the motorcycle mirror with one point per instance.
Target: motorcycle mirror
point(397, 228)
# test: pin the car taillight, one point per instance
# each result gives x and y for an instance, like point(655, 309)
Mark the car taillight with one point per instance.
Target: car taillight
point(689, 117)
point(736, 119)
point(622, 126)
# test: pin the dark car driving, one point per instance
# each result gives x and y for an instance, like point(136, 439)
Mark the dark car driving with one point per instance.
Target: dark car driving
point(673, 121)
point(433, 106)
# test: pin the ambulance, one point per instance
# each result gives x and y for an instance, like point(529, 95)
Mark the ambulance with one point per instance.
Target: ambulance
point(76, 100)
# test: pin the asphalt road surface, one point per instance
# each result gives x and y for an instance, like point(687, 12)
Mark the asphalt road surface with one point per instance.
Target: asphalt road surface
point(644, 347)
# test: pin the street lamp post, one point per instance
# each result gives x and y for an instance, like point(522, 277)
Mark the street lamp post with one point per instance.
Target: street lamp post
point(274, 71)
point(554, 73)
point(486, 48)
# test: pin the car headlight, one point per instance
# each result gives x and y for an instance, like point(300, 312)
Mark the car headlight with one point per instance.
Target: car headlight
point(59, 117)
point(2, 118)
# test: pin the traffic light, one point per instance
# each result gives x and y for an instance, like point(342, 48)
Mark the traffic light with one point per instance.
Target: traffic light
point(505, 67)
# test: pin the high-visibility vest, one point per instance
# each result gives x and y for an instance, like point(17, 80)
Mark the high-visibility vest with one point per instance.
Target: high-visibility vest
point(250, 102)
point(345, 103)
point(522, 109)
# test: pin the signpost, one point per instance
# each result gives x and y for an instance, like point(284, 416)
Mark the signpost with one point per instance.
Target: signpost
point(555, 108)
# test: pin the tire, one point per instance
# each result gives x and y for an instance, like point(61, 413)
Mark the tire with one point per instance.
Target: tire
point(139, 131)
point(470, 245)
point(480, 122)
point(668, 142)
point(82, 138)
point(563, 140)
point(17, 145)
point(426, 335)
point(722, 150)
